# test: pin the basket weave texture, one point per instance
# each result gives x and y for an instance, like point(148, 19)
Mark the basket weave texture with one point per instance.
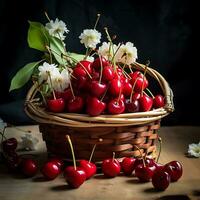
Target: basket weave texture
point(122, 133)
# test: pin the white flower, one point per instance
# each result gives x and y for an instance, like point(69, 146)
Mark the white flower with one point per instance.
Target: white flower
point(2, 125)
point(90, 38)
point(28, 142)
point(60, 81)
point(57, 28)
point(106, 50)
point(127, 54)
point(194, 150)
point(45, 70)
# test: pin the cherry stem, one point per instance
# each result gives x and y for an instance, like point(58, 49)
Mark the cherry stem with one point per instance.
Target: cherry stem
point(101, 70)
point(120, 92)
point(113, 158)
point(72, 150)
point(93, 149)
point(132, 91)
point(54, 96)
point(130, 69)
point(141, 155)
point(160, 149)
point(124, 72)
point(104, 94)
point(145, 70)
point(71, 88)
point(47, 16)
point(97, 20)
point(149, 91)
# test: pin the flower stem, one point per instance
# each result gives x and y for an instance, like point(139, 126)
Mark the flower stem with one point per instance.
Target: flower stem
point(97, 20)
point(47, 16)
point(72, 150)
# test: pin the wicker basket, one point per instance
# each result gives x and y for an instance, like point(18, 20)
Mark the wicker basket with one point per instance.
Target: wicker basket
point(111, 133)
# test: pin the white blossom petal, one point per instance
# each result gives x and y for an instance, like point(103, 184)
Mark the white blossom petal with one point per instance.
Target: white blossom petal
point(28, 142)
point(90, 38)
point(107, 51)
point(194, 150)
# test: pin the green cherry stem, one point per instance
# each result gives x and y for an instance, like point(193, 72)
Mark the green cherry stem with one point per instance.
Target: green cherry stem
point(149, 91)
point(140, 155)
point(72, 150)
point(93, 149)
point(113, 157)
point(160, 148)
point(97, 20)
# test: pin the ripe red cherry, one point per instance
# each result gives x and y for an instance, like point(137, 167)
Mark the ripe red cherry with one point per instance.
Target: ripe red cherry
point(158, 101)
point(128, 166)
point(89, 168)
point(136, 96)
point(115, 87)
point(13, 161)
point(111, 167)
point(127, 89)
point(94, 106)
point(67, 94)
point(116, 106)
point(144, 173)
point(56, 105)
point(174, 169)
point(9, 145)
point(97, 89)
point(28, 167)
point(108, 73)
point(132, 106)
point(160, 180)
point(82, 68)
point(137, 78)
point(75, 104)
point(97, 63)
point(80, 82)
point(58, 161)
point(50, 170)
point(74, 177)
point(145, 102)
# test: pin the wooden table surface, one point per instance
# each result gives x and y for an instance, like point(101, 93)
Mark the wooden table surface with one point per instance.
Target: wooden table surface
point(175, 144)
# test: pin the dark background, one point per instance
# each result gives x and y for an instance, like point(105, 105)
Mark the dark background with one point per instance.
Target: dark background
point(164, 31)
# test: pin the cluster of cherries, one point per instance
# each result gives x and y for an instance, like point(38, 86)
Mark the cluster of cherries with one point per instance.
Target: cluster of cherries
point(101, 88)
point(145, 169)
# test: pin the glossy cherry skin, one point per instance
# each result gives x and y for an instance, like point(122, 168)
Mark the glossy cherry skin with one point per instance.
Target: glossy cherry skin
point(116, 106)
point(158, 101)
point(28, 167)
point(146, 103)
point(58, 161)
point(97, 63)
point(67, 94)
point(97, 89)
point(12, 161)
point(74, 177)
point(94, 106)
point(136, 96)
point(174, 169)
point(89, 168)
point(160, 180)
point(75, 105)
point(56, 105)
point(127, 165)
point(144, 173)
point(50, 170)
point(127, 89)
point(108, 73)
point(115, 87)
point(9, 145)
point(82, 68)
point(111, 167)
point(132, 106)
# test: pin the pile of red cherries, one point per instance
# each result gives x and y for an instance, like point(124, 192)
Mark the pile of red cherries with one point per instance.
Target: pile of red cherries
point(100, 88)
point(144, 169)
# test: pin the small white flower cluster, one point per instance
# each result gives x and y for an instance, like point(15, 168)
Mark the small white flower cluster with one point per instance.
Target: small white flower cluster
point(51, 74)
point(57, 28)
point(28, 142)
point(194, 150)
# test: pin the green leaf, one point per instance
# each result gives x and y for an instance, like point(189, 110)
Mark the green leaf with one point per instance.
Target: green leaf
point(23, 76)
point(57, 50)
point(37, 36)
point(76, 56)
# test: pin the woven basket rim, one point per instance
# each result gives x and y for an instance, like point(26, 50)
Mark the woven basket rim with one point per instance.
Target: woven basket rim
point(39, 114)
